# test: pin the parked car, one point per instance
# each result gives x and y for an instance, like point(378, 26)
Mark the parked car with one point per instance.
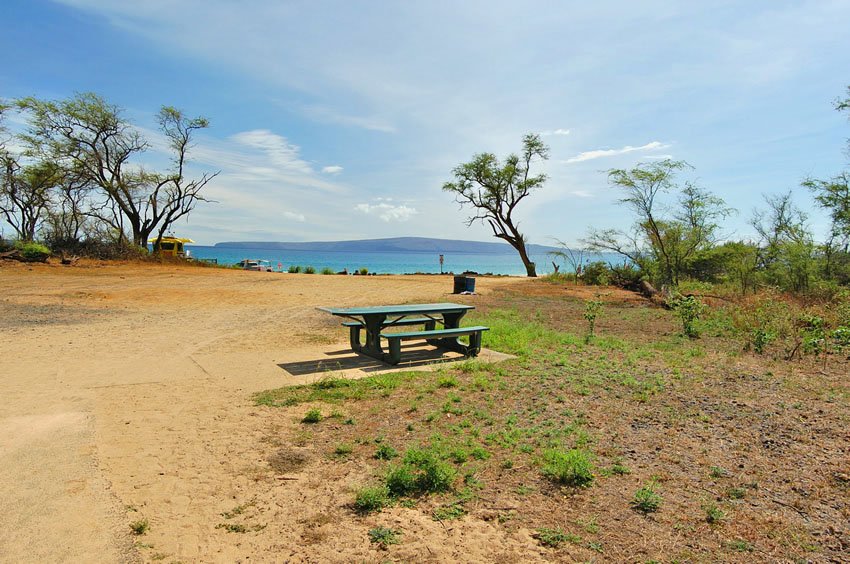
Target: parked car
point(255, 264)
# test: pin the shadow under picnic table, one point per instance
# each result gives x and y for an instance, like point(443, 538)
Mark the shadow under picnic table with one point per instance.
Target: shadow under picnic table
point(415, 355)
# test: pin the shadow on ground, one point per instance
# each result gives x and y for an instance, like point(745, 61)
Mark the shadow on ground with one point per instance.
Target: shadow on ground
point(413, 356)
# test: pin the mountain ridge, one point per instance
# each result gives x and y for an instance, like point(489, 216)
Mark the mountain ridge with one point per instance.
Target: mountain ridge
point(391, 244)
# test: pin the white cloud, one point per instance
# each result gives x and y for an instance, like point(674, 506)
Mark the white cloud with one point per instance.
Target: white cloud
point(276, 147)
point(601, 153)
point(333, 169)
point(549, 132)
point(661, 157)
point(581, 193)
point(388, 212)
point(295, 216)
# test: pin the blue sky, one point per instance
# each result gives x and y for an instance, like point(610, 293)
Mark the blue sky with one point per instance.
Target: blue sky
point(341, 120)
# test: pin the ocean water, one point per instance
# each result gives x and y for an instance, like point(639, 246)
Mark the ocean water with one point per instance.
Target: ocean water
point(385, 262)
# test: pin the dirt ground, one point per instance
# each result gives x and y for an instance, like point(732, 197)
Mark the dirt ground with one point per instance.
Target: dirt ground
point(125, 398)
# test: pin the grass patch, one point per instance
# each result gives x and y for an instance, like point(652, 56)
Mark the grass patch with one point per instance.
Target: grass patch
point(571, 468)
point(335, 390)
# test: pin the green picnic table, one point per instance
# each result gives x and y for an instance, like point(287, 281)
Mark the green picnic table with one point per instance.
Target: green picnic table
point(377, 318)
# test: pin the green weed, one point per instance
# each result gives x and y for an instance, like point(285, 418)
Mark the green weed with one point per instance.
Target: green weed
point(383, 536)
point(140, 527)
point(555, 537)
point(647, 499)
point(371, 498)
point(572, 468)
point(313, 415)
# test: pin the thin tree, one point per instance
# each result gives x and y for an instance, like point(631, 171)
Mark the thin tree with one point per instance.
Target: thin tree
point(661, 242)
point(494, 189)
point(572, 257)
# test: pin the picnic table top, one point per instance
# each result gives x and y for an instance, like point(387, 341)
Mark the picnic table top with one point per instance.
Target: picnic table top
point(398, 309)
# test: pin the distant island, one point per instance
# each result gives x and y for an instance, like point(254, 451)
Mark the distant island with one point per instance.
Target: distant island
point(391, 245)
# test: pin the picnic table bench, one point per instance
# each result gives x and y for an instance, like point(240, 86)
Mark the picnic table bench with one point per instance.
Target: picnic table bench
point(374, 320)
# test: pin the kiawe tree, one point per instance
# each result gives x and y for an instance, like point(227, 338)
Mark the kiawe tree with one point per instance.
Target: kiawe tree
point(91, 140)
point(494, 189)
point(664, 239)
point(25, 193)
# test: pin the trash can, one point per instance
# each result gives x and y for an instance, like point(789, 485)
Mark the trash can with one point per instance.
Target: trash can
point(470, 284)
point(460, 284)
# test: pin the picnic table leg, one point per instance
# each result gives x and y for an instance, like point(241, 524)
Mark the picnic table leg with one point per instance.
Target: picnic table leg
point(354, 338)
point(373, 324)
point(451, 321)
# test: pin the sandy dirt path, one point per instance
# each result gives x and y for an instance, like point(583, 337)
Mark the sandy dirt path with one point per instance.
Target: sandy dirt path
point(125, 395)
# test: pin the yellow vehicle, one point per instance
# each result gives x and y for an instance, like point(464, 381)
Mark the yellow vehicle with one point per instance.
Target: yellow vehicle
point(171, 247)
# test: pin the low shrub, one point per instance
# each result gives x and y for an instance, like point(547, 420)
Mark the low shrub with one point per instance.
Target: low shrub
point(647, 499)
point(32, 252)
point(596, 274)
point(689, 309)
point(327, 270)
point(421, 471)
point(309, 270)
point(371, 498)
point(294, 269)
point(312, 416)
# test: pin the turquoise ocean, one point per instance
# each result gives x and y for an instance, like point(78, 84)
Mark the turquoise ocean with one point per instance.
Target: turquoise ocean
point(388, 262)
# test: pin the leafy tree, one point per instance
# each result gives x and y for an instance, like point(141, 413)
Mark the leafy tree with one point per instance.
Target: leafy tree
point(90, 138)
point(787, 246)
point(25, 193)
point(494, 189)
point(662, 241)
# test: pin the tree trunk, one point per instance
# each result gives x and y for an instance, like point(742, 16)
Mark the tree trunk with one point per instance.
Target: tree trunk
point(530, 267)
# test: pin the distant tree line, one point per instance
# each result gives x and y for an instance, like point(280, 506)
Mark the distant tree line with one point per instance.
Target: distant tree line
point(676, 231)
point(76, 181)
point(674, 240)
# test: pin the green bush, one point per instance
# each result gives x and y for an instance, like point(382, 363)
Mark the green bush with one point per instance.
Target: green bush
point(32, 252)
point(327, 270)
point(294, 269)
point(401, 480)
point(309, 270)
point(689, 309)
point(572, 468)
point(596, 274)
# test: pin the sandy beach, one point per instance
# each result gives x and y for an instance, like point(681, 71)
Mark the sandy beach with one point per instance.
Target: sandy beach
point(125, 396)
